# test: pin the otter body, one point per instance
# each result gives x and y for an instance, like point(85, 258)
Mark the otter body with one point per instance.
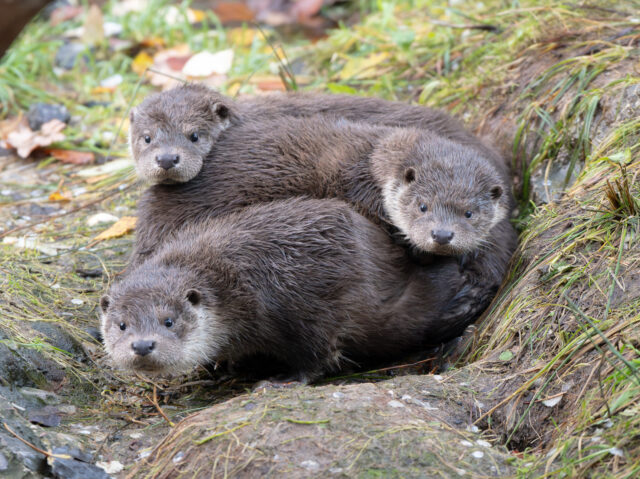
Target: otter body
point(442, 197)
point(308, 282)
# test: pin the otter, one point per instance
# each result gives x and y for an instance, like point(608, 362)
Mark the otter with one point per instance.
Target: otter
point(308, 282)
point(171, 132)
point(440, 195)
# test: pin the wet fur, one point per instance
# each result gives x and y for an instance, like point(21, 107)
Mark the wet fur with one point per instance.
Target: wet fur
point(309, 282)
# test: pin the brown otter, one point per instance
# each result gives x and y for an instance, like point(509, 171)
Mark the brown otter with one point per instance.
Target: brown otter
point(171, 132)
point(309, 282)
point(421, 183)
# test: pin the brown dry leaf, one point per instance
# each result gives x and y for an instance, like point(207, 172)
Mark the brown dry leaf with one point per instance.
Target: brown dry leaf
point(152, 42)
point(71, 156)
point(303, 10)
point(233, 12)
point(123, 226)
point(141, 62)
point(64, 13)
point(11, 124)
point(25, 140)
point(163, 64)
point(93, 29)
point(205, 64)
point(267, 82)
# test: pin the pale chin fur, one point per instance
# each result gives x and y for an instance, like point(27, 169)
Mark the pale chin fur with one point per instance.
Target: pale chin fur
point(206, 341)
point(391, 193)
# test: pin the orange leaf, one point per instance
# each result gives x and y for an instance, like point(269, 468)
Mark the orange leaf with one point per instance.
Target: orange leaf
point(60, 196)
point(152, 42)
point(233, 12)
point(71, 156)
point(141, 62)
point(102, 89)
point(120, 228)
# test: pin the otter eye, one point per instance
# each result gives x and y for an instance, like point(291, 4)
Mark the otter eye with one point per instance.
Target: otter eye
point(468, 214)
point(423, 207)
point(123, 326)
point(147, 139)
point(194, 137)
point(168, 322)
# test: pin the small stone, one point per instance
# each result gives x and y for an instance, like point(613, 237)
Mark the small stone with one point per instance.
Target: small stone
point(396, 404)
point(67, 55)
point(461, 472)
point(144, 454)
point(477, 454)
point(77, 301)
point(41, 113)
point(177, 458)
point(616, 451)
point(406, 397)
point(437, 377)
point(111, 467)
point(483, 443)
point(473, 428)
point(338, 395)
point(4, 464)
point(48, 416)
point(112, 81)
point(67, 409)
point(466, 443)
point(45, 397)
point(135, 435)
point(310, 465)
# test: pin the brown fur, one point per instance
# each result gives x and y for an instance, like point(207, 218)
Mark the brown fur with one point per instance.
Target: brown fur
point(327, 158)
point(308, 282)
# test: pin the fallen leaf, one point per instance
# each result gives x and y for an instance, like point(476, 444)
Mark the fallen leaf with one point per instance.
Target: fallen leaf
point(268, 82)
point(362, 67)
point(123, 226)
point(93, 28)
point(102, 89)
point(552, 402)
point(163, 75)
point(241, 37)
point(11, 124)
point(152, 42)
point(205, 64)
point(25, 140)
point(195, 16)
point(71, 156)
point(233, 12)
point(141, 62)
point(178, 63)
point(61, 196)
point(303, 10)
point(64, 13)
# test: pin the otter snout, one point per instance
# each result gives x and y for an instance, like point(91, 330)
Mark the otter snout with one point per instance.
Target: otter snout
point(442, 236)
point(143, 347)
point(167, 161)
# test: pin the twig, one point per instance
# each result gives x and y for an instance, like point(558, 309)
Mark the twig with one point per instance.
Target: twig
point(36, 448)
point(465, 26)
point(154, 401)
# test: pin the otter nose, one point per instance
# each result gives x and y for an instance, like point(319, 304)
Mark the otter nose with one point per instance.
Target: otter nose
point(143, 347)
point(442, 236)
point(167, 162)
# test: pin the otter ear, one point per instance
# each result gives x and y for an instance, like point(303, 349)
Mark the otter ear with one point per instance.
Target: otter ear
point(194, 296)
point(221, 110)
point(104, 303)
point(409, 175)
point(496, 192)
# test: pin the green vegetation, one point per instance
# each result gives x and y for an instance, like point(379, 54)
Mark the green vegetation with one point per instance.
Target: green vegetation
point(552, 84)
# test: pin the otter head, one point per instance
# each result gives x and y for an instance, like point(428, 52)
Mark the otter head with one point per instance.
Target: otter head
point(172, 132)
point(443, 196)
point(155, 322)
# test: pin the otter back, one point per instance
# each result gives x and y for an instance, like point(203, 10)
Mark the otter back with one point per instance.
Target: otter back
point(309, 282)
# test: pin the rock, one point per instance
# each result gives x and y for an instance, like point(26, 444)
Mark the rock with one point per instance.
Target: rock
point(45, 397)
point(48, 416)
point(41, 113)
point(68, 54)
point(78, 467)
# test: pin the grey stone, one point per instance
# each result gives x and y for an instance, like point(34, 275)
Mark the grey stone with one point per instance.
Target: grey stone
point(67, 55)
point(41, 113)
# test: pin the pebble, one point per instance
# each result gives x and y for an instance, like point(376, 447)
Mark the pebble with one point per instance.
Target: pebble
point(466, 443)
point(483, 443)
point(177, 458)
point(394, 403)
point(111, 467)
point(310, 465)
point(477, 454)
point(112, 81)
point(68, 54)
point(46, 397)
point(77, 301)
point(101, 218)
point(41, 113)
